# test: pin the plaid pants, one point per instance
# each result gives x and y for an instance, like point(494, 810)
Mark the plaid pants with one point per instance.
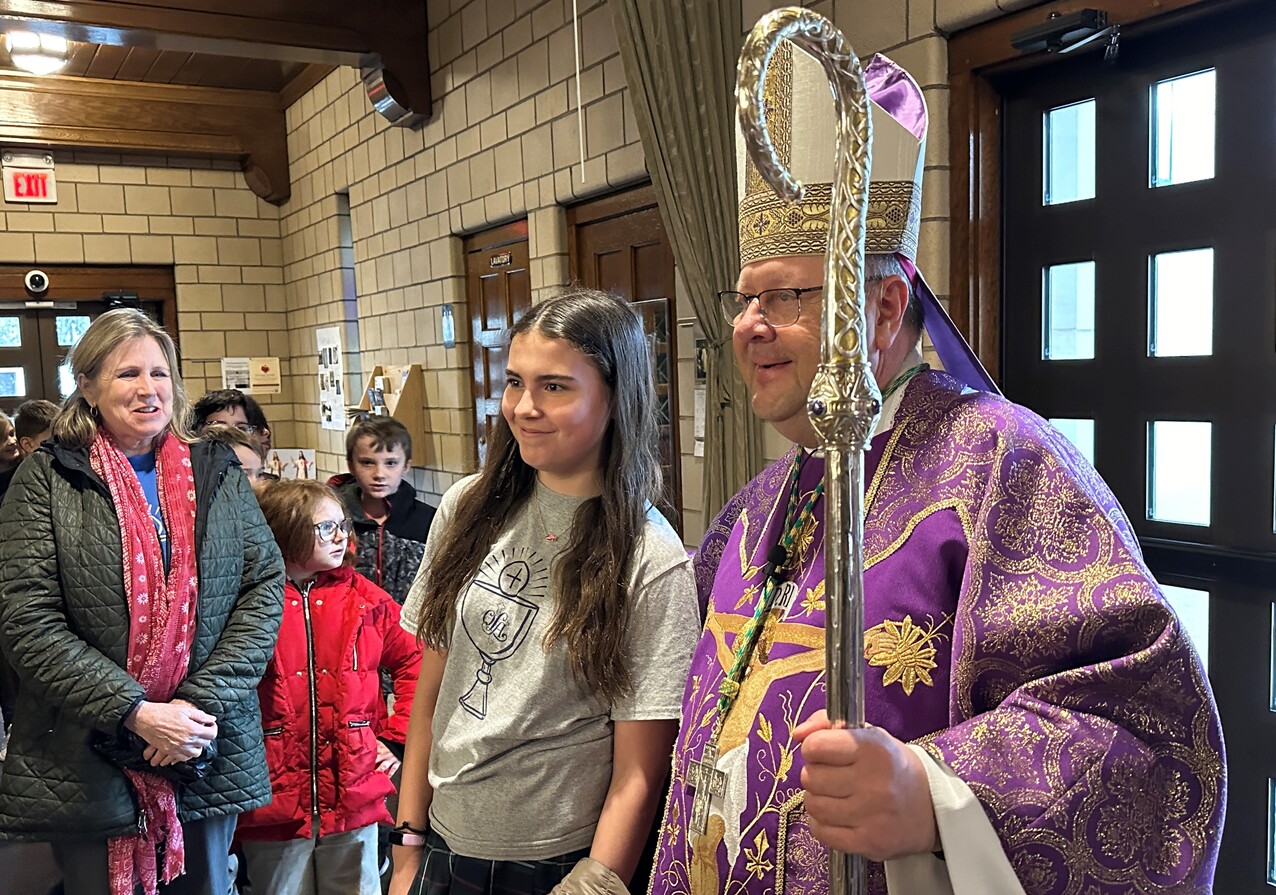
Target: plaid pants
point(443, 872)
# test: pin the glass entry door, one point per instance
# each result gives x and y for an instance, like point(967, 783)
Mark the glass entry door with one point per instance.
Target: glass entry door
point(34, 343)
point(1140, 317)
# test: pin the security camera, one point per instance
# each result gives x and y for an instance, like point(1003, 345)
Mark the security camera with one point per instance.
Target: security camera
point(37, 282)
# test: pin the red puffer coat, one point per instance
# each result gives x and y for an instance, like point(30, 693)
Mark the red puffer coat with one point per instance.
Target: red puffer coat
point(323, 710)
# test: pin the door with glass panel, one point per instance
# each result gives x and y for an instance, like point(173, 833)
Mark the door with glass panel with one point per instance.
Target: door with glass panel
point(1140, 316)
point(33, 345)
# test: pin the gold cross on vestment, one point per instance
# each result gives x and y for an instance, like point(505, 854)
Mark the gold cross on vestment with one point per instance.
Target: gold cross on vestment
point(704, 777)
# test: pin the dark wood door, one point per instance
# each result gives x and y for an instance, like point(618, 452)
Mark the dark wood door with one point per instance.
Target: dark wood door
point(618, 244)
point(34, 343)
point(37, 331)
point(498, 291)
point(1140, 316)
point(20, 361)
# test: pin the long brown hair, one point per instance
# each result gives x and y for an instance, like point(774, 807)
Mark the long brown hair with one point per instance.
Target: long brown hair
point(591, 574)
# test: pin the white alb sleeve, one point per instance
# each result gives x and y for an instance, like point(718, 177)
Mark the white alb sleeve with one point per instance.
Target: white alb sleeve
point(974, 862)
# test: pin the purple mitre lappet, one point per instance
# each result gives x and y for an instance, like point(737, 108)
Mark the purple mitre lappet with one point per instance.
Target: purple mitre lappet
point(1015, 638)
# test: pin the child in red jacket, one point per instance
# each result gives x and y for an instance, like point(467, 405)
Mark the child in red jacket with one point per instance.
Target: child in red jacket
point(325, 720)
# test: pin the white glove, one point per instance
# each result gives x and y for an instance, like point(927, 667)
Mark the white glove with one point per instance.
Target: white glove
point(590, 877)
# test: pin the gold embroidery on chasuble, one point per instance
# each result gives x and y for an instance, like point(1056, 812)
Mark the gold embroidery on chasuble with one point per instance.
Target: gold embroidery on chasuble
point(1142, 818)
point(703, 877)
point(904, 650)
point(801, 860)
point(756, 860)
point(744, 713)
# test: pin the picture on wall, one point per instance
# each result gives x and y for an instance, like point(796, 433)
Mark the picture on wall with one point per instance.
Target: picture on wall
point(291, 463)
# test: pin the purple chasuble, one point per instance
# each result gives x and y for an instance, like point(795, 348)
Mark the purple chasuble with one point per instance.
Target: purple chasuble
point(1012, 630)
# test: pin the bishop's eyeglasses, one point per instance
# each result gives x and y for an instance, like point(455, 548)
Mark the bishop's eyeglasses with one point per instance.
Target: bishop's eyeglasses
point(779, 307)
point(326, 531)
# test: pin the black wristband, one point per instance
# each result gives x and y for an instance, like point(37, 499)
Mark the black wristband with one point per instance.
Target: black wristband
point(406, 834)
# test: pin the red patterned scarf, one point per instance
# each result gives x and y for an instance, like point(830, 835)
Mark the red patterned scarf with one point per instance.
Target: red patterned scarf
point(161, 612)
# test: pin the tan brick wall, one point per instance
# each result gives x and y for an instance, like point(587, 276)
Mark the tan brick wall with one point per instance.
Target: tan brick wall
point(197, 216)
point(502, 144)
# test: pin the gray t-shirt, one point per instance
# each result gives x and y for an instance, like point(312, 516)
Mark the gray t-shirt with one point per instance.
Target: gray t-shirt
point(522, 754)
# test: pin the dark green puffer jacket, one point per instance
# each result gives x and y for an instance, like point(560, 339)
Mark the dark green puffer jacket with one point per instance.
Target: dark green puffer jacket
point(64, 626)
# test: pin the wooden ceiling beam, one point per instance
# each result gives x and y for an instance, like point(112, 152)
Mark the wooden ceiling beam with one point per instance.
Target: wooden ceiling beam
point(79, 113)
point(332, 32)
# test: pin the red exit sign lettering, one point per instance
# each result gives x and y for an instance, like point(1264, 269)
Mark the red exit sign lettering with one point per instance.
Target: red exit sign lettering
point(25, 185)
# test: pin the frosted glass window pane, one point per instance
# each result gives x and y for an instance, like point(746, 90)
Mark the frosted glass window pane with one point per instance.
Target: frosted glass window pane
point(70, 329)
point(1183, 129)
point(1182, 302)
point(13, 382)
point(66, 382)
point(1080, 433)
point(1068, 312)
point(1179, 472)
point(1193, 609)
point(1271, 690)
point(1271, 832)
point(1069, 153)
point(10, 332)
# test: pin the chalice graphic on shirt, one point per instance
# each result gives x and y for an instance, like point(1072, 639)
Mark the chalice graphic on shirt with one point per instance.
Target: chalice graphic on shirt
point(497, 612)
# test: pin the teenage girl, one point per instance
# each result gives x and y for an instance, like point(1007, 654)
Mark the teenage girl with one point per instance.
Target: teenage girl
point(559, 613)
point(322, 709)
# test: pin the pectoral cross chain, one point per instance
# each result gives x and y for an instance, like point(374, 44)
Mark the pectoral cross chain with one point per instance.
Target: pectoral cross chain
point(704, 777)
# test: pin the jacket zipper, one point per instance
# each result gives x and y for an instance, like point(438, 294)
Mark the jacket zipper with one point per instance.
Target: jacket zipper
point(314, 702)
point(381, 552)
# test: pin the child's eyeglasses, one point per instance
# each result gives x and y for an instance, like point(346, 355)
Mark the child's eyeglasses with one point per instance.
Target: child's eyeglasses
point(327, 530)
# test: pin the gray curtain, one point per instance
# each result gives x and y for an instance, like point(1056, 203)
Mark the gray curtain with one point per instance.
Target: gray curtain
point(680, 62)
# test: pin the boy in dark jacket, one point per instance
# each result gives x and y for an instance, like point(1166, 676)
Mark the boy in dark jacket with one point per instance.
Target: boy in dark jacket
point(390, 523)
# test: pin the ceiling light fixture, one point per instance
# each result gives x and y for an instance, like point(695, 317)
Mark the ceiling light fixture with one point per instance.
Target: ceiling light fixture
point(40, 54)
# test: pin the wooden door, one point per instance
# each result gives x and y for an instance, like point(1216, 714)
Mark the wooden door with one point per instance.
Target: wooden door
point(20, 362)
point(37, 331)
point(618, 244)
point(1139, 313)
point(498, 291)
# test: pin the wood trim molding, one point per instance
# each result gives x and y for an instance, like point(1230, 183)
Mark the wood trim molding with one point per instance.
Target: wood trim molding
point(332, 32)
point(495, 237)
point(985, 46)
point(974, 299)
point(626, 200)
point(87, 282)
point(245, 125)
point(976, 57)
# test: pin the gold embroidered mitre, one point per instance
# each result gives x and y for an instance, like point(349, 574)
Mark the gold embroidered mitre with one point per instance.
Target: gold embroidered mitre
point(802, 124)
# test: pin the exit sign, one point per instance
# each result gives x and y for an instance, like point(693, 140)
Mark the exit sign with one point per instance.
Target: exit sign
point(30, 185)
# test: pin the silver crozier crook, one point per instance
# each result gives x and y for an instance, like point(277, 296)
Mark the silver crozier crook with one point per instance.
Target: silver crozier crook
point(844, 400)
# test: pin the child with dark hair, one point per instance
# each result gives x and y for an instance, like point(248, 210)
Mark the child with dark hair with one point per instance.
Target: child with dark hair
point(558, 611)
point(232, 407)
point(33, 425)
point(390, 523)
point(323, 712)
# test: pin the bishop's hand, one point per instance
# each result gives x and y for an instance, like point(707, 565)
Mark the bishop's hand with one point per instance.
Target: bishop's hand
point(866, 792)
